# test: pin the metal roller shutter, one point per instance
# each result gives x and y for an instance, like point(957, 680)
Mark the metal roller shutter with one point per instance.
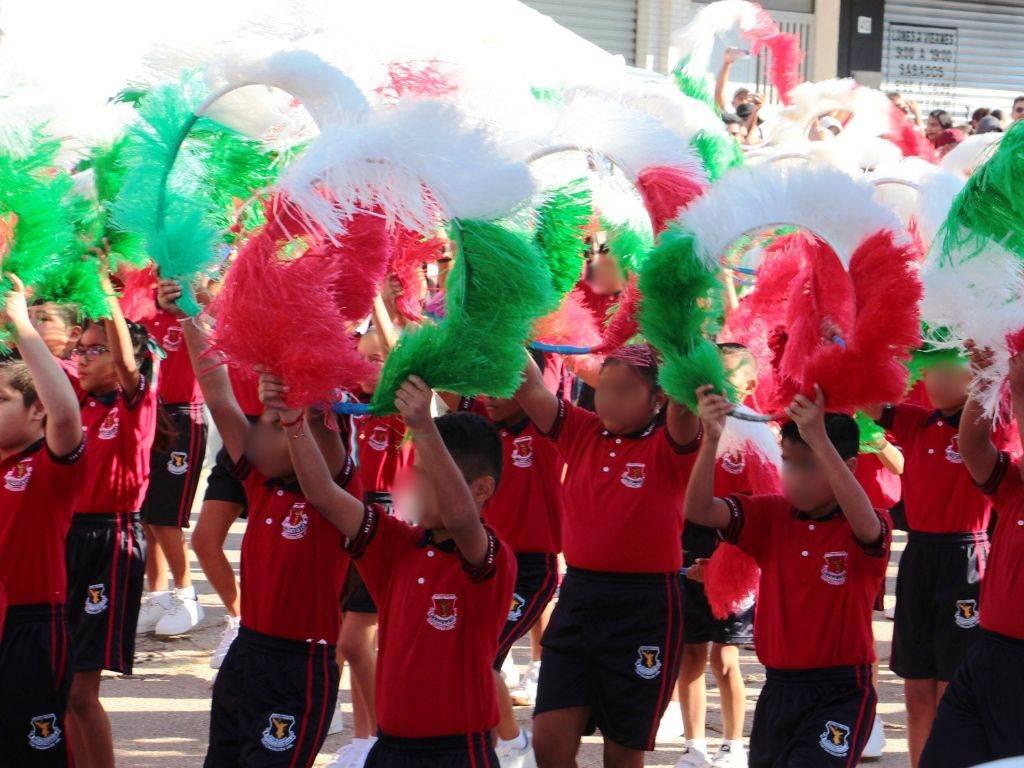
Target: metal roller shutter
point(610, 24)
point(954, 55)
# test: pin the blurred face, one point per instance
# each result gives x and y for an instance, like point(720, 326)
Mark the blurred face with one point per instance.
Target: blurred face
point(371, 348)
point(897, 100)
point(605, 275)
point(500, 409)
point(96, 372)
point(804, 483)
point(742, 96)
point(946, 386)
point(1018, 111)
point(933, 128)
point(416, 500)
point(20, 425)
point(60, 337)
point(735, 130)
point(624, 400)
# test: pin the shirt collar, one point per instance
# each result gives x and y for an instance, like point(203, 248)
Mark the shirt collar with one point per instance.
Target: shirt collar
point(106, 400)
point(427, 540)
point(823, 519)
point(289, 484)
point(516, 428)
point(953, 421)
point(31, 450)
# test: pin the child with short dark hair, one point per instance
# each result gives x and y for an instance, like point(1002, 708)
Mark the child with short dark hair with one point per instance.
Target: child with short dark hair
point(42, 467)
point(821, 549)
point(979, 716)
point(59, 325)
point(442, 588)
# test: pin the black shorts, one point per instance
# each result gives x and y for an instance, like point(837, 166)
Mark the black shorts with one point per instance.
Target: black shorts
point(174, 473)
point(106, 560)
point(273, 701)
point(699, 624)
point(980, 717)
point(937, 593)
point(614, 644)
point(470, 750)
point(34, 684)
point(222, 485)
point(536, 582)
point(808, 718)
point(356, 597)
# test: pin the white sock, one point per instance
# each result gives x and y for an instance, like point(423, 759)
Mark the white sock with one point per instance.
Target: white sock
point(186, 593)
point(735, 745)
point(700, 745)
point(519, 742)
point(163, 593)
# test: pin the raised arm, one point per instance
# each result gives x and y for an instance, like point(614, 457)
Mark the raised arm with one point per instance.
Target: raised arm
point(731, 55)
point(211, 375)
point(682, 423)
point(63, 417)
point(539, 403)
point(119, 338)
point(810, 418)
point(976, 447)
point(459, 512)
point(701, 505)
point(343, 510)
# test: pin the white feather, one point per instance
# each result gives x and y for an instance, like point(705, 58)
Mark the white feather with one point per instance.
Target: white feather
point(936, 192)
point(758, 436)
point(978, 297)
point(696, 40)
point(419, 161)
point(970, 153)
point(871, 110)
point(839, 209)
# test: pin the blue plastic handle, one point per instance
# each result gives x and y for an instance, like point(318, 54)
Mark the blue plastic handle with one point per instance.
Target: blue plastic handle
point(560, 349)
point(351, 408)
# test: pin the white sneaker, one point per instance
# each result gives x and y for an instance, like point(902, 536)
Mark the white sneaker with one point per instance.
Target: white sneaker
point(890, 613)
point(526, 694)
point(521, 756)
point(184, 614)
point(510, 672)
point(671, 726)
point(729, 758)
point(153, 608)
point(341, 758)
point(353, 754)
point(337, 722)
point(693, 758)
point(226, 639)
point(876, 741)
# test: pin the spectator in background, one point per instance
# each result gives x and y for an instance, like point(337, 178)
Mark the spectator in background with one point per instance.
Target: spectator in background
point(989, 124)
point(998, 115)
point(948, 139)
point(741, 95)
point(908, 108)
point(977, 116)
point(733, 126)
point(1018, 109)
point(748, 113)
point(938, 121)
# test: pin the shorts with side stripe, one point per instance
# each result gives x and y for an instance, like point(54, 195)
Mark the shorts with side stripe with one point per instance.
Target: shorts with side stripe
point(536, 582)
point(174, 473)
point(614, 644)
point(106, 561)
point(811, 718)
point(273, 701)
point(468, 750)
point(34, 682)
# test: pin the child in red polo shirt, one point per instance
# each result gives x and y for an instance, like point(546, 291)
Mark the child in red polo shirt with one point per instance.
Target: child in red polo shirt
point(174, 478)
point(947, 546)
point(612, 648)
point(106, 546)
point(980, 717)
point(821, 549)
point(42, 466)
point(443, 587)
point(277, 687)
point(741, 470)
point(59, 326)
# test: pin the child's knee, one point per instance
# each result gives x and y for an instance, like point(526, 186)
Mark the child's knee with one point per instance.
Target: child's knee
point(353, 647)
point(724, 660)
point(695, 655)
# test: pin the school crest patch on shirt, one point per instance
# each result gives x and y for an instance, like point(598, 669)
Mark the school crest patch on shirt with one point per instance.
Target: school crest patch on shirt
point(953, 451)
point(17, 477)
point(45, 733)
point(634, 474)
point(835, 739)
point(834, 570)
point(109, 426)
point(172, 339)
point(522, 452)
point(378, 438)
point(296, 522)
point(279, 735)
point(177, 464)
point(96, 601)
point(967, 615)
point(648, 662)
point(734, 462)
point(442, 613)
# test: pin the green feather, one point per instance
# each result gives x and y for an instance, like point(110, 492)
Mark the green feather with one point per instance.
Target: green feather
point(560, 221)
point(718, 153)
point(628, 246)
point(696, 87)
point(870, 432)
point(680, 298)
point(498, 286)
point(76, 282)
point(991, 204)
point(161, 199)
point(109, 170)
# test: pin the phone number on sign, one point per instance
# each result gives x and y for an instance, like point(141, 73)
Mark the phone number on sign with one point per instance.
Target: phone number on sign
point(910, 53)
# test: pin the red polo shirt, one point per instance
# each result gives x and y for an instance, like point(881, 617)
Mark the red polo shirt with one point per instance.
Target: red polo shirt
point(293, 564)
point(176, 382)
point(623, 494)
point(938, 492)
point(1002, 589)
point(526, 510)
point(120, 431)
point(882, 486)
point(247, 392)
point(745, 471)
point(381, 450)
point(439, 626)
point(37, 499)
point(818, 583)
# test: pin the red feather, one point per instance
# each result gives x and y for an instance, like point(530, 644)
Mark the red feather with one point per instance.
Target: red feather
point(666, 191)
point(784, 49)
point(419, 78)
point(571, 324)
point(623, 326)
point(361, 257)
point(410, 252)
point(138, 294)
point(908, 138)
point(730, 578)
